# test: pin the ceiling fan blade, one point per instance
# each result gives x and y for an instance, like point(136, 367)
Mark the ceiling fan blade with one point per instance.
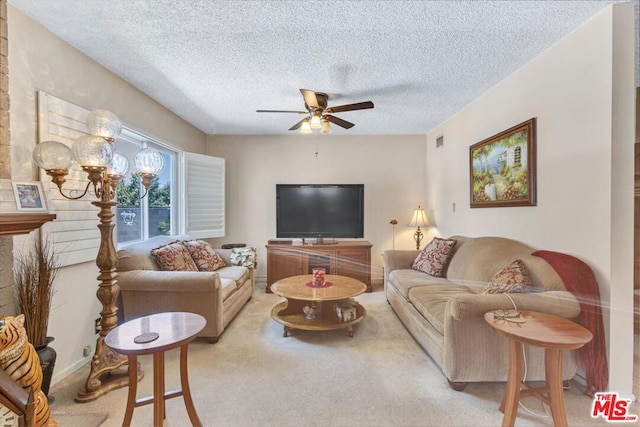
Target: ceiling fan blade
point(338, 121)
point(297, 125)
point(350, 107)
point(282, 111)
point(310, 98)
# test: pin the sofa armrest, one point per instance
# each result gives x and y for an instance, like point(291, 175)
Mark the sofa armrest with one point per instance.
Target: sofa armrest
point(398, 259)
point(225, 254)
point(169, 281)
point(473, 307)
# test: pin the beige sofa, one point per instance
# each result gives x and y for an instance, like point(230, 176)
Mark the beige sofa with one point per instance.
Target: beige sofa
point(218, 296)
point(445, 315)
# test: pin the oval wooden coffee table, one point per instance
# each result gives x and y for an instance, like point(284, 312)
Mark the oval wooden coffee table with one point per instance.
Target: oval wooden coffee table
point(314, 308)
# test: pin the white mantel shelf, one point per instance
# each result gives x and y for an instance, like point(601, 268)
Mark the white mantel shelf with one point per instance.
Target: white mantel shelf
point(22, 223)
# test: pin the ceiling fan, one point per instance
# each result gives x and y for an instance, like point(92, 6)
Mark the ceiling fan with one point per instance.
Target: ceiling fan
point(318, 114)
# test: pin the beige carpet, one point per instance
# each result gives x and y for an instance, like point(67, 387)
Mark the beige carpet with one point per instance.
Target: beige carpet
point(255, 377)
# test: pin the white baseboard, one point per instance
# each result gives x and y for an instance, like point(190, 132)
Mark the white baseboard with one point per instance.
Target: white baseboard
point(59, 376)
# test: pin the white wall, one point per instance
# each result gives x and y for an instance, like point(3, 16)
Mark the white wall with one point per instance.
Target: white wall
point(40, 61)
point(581, 91)
point(390, 167)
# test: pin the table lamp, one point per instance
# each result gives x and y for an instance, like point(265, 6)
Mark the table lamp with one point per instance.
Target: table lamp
point(419, 219)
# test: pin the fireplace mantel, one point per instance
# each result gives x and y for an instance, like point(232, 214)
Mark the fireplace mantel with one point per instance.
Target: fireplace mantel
point(22, 223)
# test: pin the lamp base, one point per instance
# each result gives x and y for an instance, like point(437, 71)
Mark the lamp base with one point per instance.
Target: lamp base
point(110, 365)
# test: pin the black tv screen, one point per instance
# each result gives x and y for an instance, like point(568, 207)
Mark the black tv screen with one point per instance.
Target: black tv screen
point(320, 210)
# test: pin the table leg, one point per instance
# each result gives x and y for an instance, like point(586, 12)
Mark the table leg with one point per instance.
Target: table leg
point(186, 391)
point(158, 388)
point(133, 388)
point(509, 405)
point(553, 373)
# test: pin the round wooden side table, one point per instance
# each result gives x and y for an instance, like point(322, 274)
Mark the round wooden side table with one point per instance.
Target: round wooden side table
point(155, 334)
point(552, 333)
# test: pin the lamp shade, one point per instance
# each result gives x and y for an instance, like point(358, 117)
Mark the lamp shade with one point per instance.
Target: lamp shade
point(119, 165)
point(419, 218)
point(326, 127)
point(306, 127)
point(148, 160)
point(91, 150)
point(315, 122)
point(103, 123)
point(51, 155)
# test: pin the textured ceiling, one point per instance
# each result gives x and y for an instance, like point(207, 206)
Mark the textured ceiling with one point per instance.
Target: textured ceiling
point(215, 62)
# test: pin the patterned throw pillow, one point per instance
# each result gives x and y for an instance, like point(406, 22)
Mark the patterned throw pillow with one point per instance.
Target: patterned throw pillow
point(203, 255)
point(174, 257)
point(513, 278)
point(434, 257)
point(245, 257)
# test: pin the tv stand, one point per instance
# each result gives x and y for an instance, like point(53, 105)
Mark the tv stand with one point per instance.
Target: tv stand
point(323, 241)
point(344, 258)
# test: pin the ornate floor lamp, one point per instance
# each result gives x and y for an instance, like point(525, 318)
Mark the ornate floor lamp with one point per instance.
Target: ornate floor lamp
point(97, 156)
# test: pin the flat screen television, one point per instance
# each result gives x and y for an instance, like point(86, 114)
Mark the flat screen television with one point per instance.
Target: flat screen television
point(320, 211)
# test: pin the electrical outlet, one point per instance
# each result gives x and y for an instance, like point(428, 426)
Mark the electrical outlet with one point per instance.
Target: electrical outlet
point(86, 351)
point(454, 207)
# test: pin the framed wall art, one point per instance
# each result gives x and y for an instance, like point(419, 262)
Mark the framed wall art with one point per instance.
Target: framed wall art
point(29, 196)
point(502, 168)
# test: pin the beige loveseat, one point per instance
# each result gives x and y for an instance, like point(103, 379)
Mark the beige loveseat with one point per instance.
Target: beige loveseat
point(445, 315)
point(217, 296)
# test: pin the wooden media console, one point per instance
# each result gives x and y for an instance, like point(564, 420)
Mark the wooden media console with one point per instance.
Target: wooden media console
point(343, 258)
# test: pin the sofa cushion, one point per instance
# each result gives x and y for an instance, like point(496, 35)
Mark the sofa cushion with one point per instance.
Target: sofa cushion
point(404, 280)
point(137, 256)
point(433, 259)
point(245, 257)
point(203, 255)
point(229, 286)
point(431, 301)
point(237, 273)
point(174, 257)
point(511, 278)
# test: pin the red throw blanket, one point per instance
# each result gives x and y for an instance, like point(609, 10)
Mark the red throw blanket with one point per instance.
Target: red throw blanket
point(581, 282)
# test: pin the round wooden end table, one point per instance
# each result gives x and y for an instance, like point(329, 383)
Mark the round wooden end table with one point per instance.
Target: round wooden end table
point(316, 309)
point(552, 333)
point(154, 335)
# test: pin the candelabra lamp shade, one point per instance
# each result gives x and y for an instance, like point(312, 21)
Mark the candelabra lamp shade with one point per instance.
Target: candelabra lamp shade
point(52, 155)
point(419, 219)
point(148, 161)
point(91, 150)
point(104, 123)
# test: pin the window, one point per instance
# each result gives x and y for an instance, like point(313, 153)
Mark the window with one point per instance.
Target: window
point(139, 218)
point(198, 208)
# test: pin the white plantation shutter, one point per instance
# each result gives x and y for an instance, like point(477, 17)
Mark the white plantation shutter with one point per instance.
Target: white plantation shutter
point(204, 196)
point(74, 234)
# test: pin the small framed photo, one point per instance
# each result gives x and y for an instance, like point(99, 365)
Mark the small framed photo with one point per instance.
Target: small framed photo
point(29, 196)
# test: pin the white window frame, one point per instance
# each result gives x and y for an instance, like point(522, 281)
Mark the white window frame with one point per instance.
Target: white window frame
point(135, 137)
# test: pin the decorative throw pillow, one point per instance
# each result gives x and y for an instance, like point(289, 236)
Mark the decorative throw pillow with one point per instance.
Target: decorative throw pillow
point(204, 256)
point(513, 278)
point(245, 257)
point(433, 259)
point(174, 257)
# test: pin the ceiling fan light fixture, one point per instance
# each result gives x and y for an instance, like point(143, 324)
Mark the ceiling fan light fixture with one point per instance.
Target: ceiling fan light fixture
point(306, 127)
point(326, 127)
point(315, 121)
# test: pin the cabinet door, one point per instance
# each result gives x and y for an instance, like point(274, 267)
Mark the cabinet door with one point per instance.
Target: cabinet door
point(354, 263)
point(283, 262)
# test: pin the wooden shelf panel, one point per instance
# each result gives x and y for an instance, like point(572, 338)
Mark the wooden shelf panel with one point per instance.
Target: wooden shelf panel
point(22, 223)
